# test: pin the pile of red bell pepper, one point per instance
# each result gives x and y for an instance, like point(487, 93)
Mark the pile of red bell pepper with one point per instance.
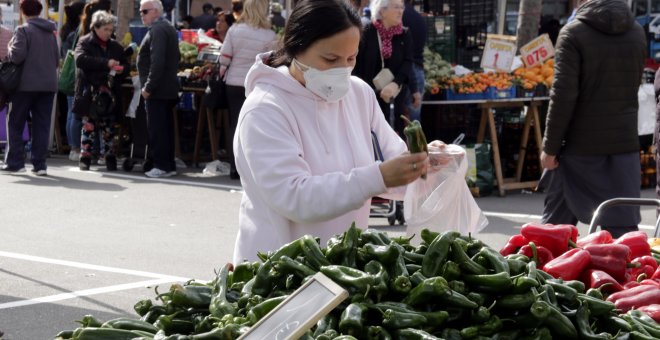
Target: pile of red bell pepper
point(623, 267)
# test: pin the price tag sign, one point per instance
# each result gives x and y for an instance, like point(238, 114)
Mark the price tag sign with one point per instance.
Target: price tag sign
point(300, 311)
point(537, 51)
point(498, 55)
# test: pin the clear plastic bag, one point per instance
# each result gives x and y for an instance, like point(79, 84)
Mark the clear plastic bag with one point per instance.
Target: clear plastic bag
point(443, 201)
point(646, 111)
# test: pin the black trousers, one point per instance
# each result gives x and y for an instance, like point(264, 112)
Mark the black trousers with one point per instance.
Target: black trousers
point(235, 100)
point(40, 105)
point(160, 124)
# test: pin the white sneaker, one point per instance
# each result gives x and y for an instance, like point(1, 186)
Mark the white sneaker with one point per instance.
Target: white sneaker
point(101, 161)
point(41, 172)
point(74, 156)
point(158, 173)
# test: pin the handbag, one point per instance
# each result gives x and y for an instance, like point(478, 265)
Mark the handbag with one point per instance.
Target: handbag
point(10, 74)
point(67, 81)
point(384, 76)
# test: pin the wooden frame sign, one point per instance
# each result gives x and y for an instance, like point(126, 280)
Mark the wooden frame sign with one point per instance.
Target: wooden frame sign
point(300, 311)
point(498, 55)
point(537, 51)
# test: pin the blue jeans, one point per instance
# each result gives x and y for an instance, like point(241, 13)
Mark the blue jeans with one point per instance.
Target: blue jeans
point(416, 113)
point(73, 125)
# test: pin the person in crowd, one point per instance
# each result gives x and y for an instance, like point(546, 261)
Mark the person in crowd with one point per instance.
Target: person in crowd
point(251, 35)
point(206, 20)
point(34, 45)
point(304, 135)
point(89, 10)
point(276, 18)
point(366, 16)
point(237, 8)
point(551, 26)
point(217, 10)
point(68, 33)
point(386, 44)
point(590, 146)
point(5, 37)
point(158, 64)
point(417, 26)
point(222, 24)
point(97, 55)
point(185, 22)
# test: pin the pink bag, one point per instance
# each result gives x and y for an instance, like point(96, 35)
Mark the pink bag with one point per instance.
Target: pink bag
point(3, 127)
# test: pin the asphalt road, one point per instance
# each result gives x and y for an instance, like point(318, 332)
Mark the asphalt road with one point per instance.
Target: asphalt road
point(77, 243)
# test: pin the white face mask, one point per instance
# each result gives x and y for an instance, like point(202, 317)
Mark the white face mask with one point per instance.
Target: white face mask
point(332, 84)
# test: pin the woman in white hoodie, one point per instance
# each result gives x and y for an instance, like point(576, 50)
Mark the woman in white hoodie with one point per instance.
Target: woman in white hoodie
point(303, 141)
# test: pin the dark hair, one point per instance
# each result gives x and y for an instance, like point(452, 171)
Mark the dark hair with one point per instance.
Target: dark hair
point(229, 19)
point(237, 6)
point(89, 10)
point(31, 7)
point(207, 6)
point(217, 10)
point(73, 11)
point(313, 20)
point(188, 18)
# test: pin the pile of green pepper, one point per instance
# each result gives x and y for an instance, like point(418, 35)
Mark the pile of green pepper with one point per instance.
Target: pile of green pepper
point(451, 286)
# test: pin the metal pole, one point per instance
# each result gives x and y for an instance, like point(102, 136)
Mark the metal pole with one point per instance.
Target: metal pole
point(501, 17)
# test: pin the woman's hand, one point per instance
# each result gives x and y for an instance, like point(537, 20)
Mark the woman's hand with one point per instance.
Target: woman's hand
point(390, 91)
point(417, 100)
point(112, 63)
point(404, 169)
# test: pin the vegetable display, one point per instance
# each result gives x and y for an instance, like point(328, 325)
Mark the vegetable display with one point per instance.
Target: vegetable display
point(451, 286)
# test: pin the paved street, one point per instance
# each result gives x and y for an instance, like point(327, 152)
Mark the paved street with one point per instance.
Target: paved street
point(77, 243)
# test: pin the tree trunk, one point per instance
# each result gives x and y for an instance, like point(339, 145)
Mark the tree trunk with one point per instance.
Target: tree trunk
point(125, 13)
point(529, 18)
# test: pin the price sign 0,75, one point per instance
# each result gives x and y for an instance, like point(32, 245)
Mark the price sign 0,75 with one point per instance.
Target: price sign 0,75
point(537, 51)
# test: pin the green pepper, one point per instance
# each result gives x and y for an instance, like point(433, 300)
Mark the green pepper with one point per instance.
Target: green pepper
point(437, 252)
point(494, 283)
point(313, 254)
point(516, 301)
point(480, 315)
point(464, 261)
point(173, 324)
point(507, 335)
point(563, 291)
point(90, 321)
point(329, 321)
point(350, 243)
point(243, 272)
point(384, 254)
point(288, 265)
point(411, 268)
point(353, 279)
point(219, 306)
point(496, 260)
point(523, 284)
point(130, 325)
point(400, 285)
point(415, 137)
point(428, 236)
point(597, 307)
point(416, 278)
point(584, 326)
point(427, 290)
point(413, 258)
point(374, 236)
point(650, 325)
point(263, 280)
point(549, 296)
point(378, 333)
point(352, 319)
point(516, 266)
point(457, 286)
point(190, 296)
point(68, 334)
point(559, 324)
point(94, 333)
point(260, 310)
point(478, 298)
point(596, 293)
point(330, 334)
point(380, 276)
point(396, 319)
point(451, 334)
point(450, 271)
point(414, 334)
point(539, 334)
point(142, 307)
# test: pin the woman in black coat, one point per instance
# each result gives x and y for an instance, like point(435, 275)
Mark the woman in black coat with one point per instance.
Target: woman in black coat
point(101, 67)
point(385, 42)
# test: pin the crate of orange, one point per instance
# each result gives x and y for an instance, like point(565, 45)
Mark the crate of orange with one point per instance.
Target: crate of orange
point(534, 81)
point(467, 87)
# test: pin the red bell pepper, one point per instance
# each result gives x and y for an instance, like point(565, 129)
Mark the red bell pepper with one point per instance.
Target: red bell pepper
point(631, 284)
point(637, 241)
point(646, 263)
point(553, 237)
point(570, 265)
point(600, 237)
point(610, 258)
point(540, 255)
point(656, 275)
point(651, 310)
point(650, 283)
point(629, 292)
point(574, 230)
point(594, 278)
point(514, 243)
point(638, 299)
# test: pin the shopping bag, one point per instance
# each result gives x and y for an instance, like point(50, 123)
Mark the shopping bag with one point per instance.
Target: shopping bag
point(443, 201)
point(480, 169)
point(10, 77)
point(67, 82)
point(646, 111)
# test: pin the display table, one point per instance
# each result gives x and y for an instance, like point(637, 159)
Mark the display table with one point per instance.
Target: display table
point(488, 119)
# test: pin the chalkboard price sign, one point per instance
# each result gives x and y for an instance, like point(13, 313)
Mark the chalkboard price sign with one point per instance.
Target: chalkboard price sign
point(300, 311)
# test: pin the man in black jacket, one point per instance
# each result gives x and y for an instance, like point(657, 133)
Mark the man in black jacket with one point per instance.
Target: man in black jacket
point(158, 64)
point(591, 146)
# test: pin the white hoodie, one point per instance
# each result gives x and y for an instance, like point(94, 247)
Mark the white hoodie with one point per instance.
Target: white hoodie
point(307, 166)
